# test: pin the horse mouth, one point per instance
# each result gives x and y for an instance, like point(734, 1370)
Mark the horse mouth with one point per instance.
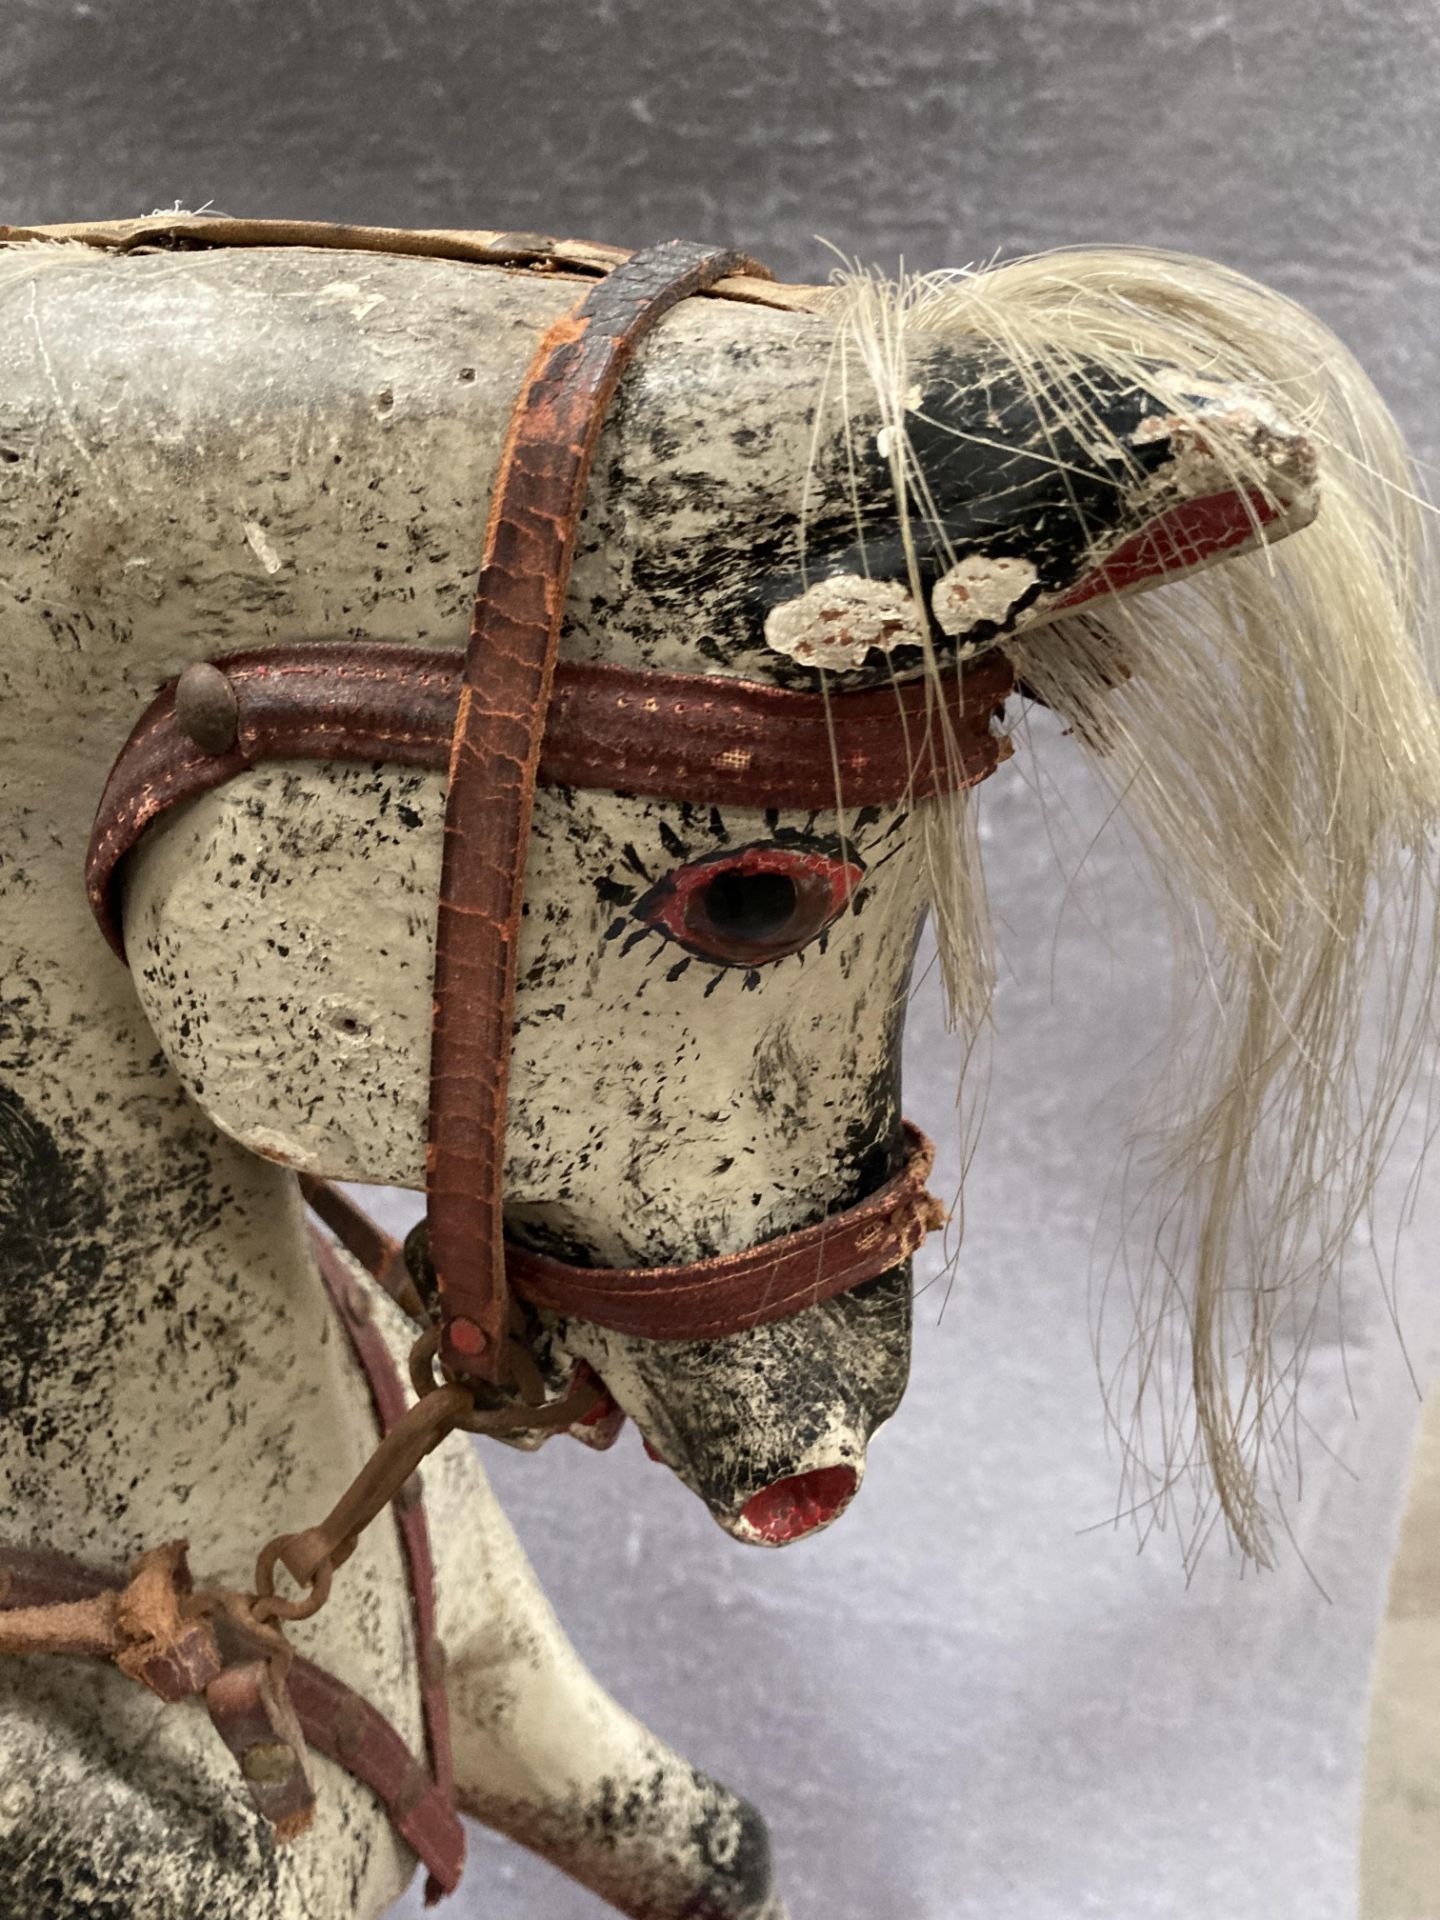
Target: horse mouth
point(789, 1509)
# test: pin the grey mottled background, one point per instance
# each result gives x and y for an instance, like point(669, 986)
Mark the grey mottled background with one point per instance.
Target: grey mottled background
point(959, 1704)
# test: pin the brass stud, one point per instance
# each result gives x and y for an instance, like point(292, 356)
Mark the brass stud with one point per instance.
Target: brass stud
point(206, 709)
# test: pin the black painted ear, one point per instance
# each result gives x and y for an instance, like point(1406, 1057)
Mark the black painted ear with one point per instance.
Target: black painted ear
point(1030, 497)
point(1041, 501)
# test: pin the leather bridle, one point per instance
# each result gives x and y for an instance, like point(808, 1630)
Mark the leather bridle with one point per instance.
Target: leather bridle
point(507, 716)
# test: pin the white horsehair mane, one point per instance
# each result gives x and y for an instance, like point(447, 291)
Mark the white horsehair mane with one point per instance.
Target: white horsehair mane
point(1272, 731)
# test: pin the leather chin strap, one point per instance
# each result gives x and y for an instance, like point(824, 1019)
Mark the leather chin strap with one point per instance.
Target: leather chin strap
point(507, 717)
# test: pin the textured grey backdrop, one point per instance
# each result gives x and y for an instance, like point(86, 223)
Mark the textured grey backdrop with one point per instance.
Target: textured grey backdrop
point(958, 1705)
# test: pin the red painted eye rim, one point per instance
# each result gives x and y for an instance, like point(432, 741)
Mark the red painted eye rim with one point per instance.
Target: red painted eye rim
point(825, 884)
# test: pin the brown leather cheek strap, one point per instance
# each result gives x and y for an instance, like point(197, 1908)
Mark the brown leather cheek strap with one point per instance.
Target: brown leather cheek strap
point(509, 668)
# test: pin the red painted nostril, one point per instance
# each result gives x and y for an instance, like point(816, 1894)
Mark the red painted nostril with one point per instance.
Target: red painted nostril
point(788, 1509)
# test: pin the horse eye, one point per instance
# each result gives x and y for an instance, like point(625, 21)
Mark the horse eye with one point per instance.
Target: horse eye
point(752, 905)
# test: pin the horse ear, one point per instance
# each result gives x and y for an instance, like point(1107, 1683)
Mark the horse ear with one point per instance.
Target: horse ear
point(1032, 494)
point(1207, 473)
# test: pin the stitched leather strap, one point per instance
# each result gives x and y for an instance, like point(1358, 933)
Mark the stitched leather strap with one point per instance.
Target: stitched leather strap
point(732, 1291)
point(703, 1299)
point(675, 736)
point(494, 763)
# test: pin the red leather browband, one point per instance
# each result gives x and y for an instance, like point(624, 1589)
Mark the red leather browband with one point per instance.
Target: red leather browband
point(670, 735)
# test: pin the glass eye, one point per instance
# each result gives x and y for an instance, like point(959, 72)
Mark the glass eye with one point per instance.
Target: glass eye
point(751, 905)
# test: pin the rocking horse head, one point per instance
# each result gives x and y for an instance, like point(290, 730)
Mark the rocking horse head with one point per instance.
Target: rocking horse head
point(828, 536)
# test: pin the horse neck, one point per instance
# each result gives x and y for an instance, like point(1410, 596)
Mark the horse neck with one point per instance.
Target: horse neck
point(165, 1349)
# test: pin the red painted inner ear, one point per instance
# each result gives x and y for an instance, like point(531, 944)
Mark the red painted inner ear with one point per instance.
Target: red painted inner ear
point(1175, 541)
point(787, 1509)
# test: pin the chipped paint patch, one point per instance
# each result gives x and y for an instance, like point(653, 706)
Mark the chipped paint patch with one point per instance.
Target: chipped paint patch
point(1216, 432)
point(258, 542)
point(271, 1144)
point(351, 295)
point(838, 621)
point(979, 589)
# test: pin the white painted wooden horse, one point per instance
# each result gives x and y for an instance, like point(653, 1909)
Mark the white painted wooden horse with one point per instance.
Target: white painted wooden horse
point(217, 437)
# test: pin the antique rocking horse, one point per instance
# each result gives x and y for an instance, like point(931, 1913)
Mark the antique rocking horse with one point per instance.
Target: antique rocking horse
point(747, 624)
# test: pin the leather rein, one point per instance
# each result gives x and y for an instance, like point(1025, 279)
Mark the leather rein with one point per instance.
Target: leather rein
point(498, 720)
